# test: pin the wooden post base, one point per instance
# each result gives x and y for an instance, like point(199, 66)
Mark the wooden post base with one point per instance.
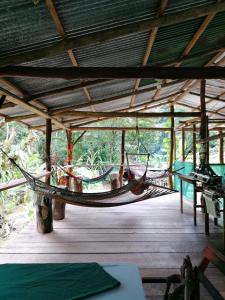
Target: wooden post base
point(115, 181)
point(44, 214)
point(59, 207)
point(58, 210)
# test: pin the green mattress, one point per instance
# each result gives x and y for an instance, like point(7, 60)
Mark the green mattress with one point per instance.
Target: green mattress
point(53, 281)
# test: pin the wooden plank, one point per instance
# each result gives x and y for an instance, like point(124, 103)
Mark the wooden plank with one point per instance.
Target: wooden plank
point(112, 33)
point(106, 247)
point(17, 182)
point(143, 260)
point(211, 72)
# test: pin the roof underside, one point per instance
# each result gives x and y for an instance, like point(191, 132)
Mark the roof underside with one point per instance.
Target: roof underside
point(27, 25)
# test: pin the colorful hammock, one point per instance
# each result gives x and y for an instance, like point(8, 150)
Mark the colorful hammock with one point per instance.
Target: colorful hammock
point(117, 197)
point(88, 180)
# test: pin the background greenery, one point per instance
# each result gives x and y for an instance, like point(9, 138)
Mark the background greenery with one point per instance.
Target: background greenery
point(95, 150)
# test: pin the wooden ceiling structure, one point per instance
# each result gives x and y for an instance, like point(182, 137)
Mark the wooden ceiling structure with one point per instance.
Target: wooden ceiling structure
point(79, 63)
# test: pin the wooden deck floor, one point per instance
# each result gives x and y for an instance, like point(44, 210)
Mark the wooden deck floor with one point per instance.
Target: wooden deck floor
point(152, 234)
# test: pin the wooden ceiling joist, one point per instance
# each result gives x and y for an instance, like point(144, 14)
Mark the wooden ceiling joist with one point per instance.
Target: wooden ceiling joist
point(112, 33)
point(61, 31)
point(148, 50)
point(116, 72)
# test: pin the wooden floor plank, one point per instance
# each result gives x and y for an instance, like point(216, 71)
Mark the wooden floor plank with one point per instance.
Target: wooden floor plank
point(152, 234)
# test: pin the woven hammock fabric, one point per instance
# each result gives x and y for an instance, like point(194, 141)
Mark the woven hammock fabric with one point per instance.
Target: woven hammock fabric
point(117, 197)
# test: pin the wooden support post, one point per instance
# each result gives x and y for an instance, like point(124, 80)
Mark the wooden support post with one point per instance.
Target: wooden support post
point(121, 171)
point(44, 203)
point(203, 128)
point(171, 148)
point(221, 149)
point(183, 144)
point(69, 154)
point(175, 147)
point(194, 146)
point(204, 147)
point(48, 148)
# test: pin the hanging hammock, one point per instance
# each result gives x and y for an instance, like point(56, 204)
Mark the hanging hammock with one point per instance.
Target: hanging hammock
point(117, 197)
point(88, 180)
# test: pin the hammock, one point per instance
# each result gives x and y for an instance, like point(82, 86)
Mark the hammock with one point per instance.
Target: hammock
point(117, 197)
point(88, 180)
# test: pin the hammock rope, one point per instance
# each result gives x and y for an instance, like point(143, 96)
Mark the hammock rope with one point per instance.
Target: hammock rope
point(88, 180)
point(117, 197)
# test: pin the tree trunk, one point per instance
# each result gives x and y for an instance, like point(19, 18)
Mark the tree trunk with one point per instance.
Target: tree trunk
point(44, 214)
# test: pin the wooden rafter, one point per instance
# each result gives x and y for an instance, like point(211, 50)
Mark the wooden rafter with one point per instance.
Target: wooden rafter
point(190, 84)
point(150, 42)
point(191, 44)
point(60, 29)
point(105, 100)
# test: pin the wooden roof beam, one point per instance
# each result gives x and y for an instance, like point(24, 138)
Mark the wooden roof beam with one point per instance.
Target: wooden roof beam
point(133, 114)
point(112, 33)
point(210, 72)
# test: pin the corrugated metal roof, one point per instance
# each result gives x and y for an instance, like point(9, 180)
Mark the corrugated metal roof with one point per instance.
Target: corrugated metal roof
point(25, 26)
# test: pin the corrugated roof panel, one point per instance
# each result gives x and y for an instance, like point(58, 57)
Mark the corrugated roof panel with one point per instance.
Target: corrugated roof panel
point(210, 36)
point(114, 105)
point(111, 88)
point(86, 16)
point(168, 90)
point(119, 52)
point(24, 26)
point(144, 97)
point(191, 100)
point(67, 99)
point(171, 41)
point(214, 105)
point(15, 111)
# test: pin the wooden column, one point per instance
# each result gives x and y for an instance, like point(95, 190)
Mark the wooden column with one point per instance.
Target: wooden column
point(122, 160)
point(69, 154)
point(44, 203)
point(175, 147)
point(221, 149)
point(48, 148)
point(194, 146)
point(183, 144)
point(203, 128)
point(171, 148)
point(204, 147)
